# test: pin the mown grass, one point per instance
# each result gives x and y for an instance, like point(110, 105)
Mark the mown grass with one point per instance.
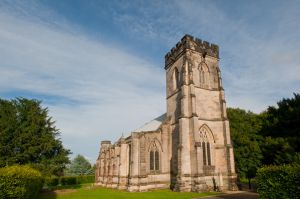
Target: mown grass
point(90, 192)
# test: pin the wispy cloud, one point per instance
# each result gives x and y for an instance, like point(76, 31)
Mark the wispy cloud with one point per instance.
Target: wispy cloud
point(97, 89)
point(112, 88)
point(259, 46)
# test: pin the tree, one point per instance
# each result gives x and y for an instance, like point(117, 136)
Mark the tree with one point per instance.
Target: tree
point(29, 136)
point(283, 121)
point(244, 128)
point(281, 127)
point(79, 166)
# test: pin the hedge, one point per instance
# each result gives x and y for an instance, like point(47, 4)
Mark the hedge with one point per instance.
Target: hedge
point(68, 180)
point(73, 180)
point(51, 181)
point(18, 182)
point(275, 182)
point(85, 179)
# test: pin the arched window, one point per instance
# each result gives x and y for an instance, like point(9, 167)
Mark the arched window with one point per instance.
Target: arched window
point(206, 138)
point(175, 79)
point(202, 81)
point(154, 160)
point(204, 75)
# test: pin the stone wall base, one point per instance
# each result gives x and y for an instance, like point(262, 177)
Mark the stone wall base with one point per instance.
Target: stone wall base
point(205, 183)
point(182, 184)
point(136, 184)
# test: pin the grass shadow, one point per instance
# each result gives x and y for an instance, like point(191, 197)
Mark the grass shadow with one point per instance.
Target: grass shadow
point(47, 194)
point(51, 192)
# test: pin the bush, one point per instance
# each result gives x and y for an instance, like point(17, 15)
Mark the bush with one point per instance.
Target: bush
point(279, 182)
point(85, 179)
point(20, 182)
point(68, 180)
point(51, 181)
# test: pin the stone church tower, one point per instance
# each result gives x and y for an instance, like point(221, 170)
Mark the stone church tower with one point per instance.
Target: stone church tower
point(201, 144)
point(188, 148)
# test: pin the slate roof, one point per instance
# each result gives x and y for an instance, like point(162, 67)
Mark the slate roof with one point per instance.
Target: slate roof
point(153, 125)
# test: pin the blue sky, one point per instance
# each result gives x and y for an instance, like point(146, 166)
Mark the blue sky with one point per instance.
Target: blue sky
point(98, 65)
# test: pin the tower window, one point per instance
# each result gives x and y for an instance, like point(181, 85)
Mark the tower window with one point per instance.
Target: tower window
point(206, 140)
point(175, 79)
point(204, 75)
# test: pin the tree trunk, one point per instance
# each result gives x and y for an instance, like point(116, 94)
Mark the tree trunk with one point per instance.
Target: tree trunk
point(249, 183)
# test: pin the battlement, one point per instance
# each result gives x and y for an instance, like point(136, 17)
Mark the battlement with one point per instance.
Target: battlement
point(105, 142)
point(192, 43)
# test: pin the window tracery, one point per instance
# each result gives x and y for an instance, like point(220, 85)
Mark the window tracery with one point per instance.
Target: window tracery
point(154, 157)
point(206, 139)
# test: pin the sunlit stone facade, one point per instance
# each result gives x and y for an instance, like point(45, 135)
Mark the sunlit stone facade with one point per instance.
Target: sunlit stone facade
point(188, 148)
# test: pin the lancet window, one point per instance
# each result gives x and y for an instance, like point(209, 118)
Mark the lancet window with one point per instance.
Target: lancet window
point(204, 75)
point(207, 140)
point(154, 157)
point(175, 79)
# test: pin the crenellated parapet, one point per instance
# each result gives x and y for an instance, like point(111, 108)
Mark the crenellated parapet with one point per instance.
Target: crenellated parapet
point(192, 43)
point(105, 145)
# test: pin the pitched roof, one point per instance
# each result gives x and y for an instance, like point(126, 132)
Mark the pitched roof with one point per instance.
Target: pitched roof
point(153, 125)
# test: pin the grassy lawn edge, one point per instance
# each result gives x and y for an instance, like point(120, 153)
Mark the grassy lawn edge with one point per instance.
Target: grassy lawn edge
point(89, 191)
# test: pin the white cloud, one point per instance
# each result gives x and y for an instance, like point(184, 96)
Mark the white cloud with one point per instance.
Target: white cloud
point(111, 89)
point(259, 47)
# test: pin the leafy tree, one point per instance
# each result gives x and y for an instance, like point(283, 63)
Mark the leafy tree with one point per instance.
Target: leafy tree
point(29, 136)
point(277, 151)
point(281, 126)
point(244, 127)
point(269, 138)
point(79, 166)
point(284, 120)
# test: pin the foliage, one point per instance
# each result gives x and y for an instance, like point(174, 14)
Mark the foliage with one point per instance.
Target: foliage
point(95, 193)
point(51, 181)
point(28, 136)
point(68, 180)
point(279, 182)
point(281, 126)
point(20, 182)
point(79, 166)
point(279, 150)
point(244, 128)
point(54, 182)
point(269, 138)
point(85, 179)
point(91, 171)
point(283, 121)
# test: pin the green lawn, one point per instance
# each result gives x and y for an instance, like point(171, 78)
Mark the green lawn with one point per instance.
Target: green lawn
point(89, 192)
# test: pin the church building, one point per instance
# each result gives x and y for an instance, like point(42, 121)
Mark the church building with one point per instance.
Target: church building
point(189, 147)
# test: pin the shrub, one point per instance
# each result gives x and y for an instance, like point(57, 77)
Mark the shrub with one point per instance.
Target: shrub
point(51, 181)
point(85, 179)
point(68, 180)
point(279, 182)
point(18, 182)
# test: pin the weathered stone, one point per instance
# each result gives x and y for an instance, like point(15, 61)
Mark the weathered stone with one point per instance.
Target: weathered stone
point(189, 147)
